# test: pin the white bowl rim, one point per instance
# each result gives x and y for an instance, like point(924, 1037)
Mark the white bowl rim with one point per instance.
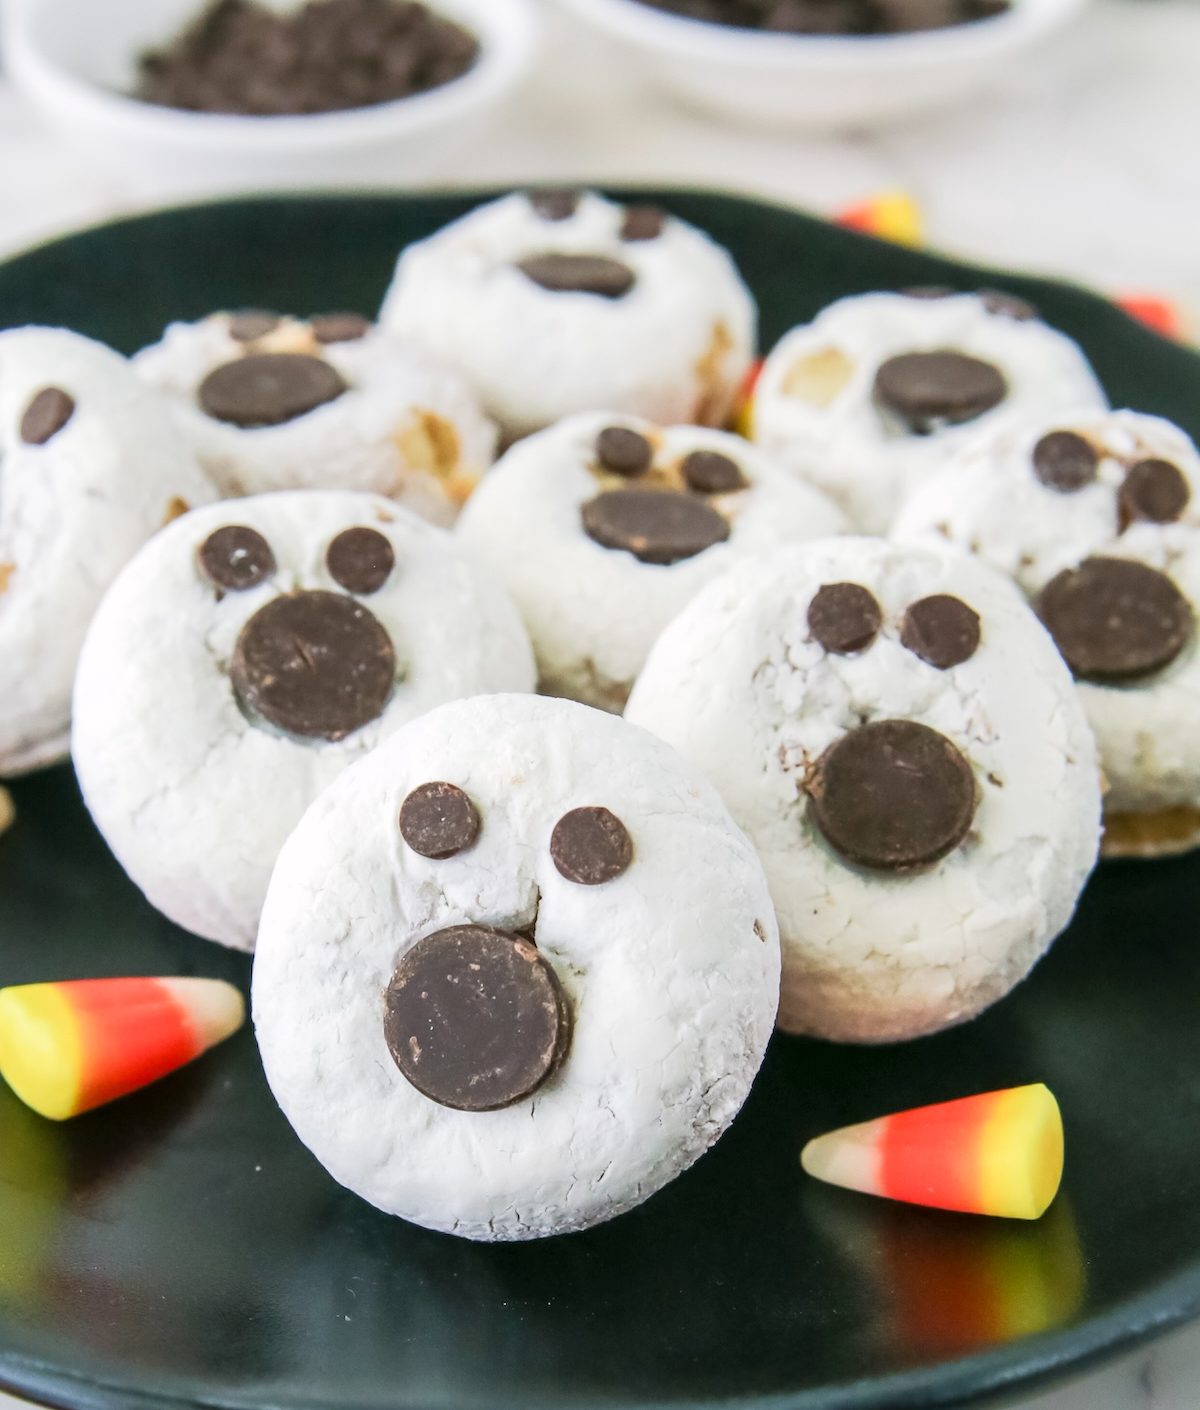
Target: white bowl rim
point(507, 31)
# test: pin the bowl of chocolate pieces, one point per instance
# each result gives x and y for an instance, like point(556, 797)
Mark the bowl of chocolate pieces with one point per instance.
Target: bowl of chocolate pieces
point(822, 64)
point(254, 93)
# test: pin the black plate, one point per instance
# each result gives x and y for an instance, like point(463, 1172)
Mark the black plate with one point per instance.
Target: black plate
point(181, 1248)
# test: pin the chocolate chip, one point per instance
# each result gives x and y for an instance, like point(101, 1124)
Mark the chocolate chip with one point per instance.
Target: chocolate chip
point(555, 203)
point(438, 820)
point(1155, 490)
point(236, 558)
point(643, 223)
point(46, 415)
point(710, 472)
point(590, 846)
point(844, 618)
point(314, 664)
point(941, 630)
point(579, 274)
point(252, 323)
point(928, 389)
point(339, 327)
point(360, 560)
point(1008, 305)
point(1064, 461)
point(1114, 619)
point(267, 389)
point(656, 526)
point(892, 795)
point(623, 451)
point(475, 1018)
point(929, 291)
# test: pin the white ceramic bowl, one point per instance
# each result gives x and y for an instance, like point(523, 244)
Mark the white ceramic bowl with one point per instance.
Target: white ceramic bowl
point(818, 82)
point(76, 59)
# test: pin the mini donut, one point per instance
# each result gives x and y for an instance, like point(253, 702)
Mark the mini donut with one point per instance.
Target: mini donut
point(552, 303)
point(92, 466)
point(604, 526)
point(516, 971)
point(881, 390)
point(901, 741)
point(244, 658)
point(278, 403)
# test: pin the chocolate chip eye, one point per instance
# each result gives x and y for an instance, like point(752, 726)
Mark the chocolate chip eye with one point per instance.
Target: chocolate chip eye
point(623, 451)
point(844, 618)
point(1064, 461)
point(360, 560)
point(941, 630)
point(438, 820)
point(46, 415)
point(590, 846)
point(1008, 305)
point(710, 472)
point(339, 327)
point(236, 558)
point(643, 223)
point(1154, 490)
point(250, 324)
point(555, 203)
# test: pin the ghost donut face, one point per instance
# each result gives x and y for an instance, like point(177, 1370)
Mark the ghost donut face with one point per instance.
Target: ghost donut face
point(90, 467)
point(604, 527)
point(900, 740)
point(556, 970)
point(244, 659)
point(881, 390)
point(554, 302)
point(272, 402)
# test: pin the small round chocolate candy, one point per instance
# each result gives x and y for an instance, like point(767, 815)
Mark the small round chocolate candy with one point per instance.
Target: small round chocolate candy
point(360, 560)
point(579, 274)
point(438, 820)
point(656, 526)
point(844, 618)
point(555, 203)
point(590, 846)
point(893, 795)
point(1008, 305)
point(314, 664)
point(267, 389)
point(710, 472)
point(339, 327)
point(1154, 490)
point(250, 324)
point(1115, 620)
point(235, 558)
point(45, 416)
point(942, 630)
point(1064, 461)
point(475, 1018)
point(623, 451)
point(928, 389)
point(643, 223)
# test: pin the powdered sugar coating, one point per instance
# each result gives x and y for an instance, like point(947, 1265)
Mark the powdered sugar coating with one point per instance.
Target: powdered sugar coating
point(671, 971)
point(739, 686)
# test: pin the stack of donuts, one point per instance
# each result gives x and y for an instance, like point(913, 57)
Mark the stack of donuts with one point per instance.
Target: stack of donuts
point(341, 618)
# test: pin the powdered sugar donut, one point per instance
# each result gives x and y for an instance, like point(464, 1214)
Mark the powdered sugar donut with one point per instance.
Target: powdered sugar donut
point(880, 390)
point(274, 403)
point(603, 527)
point(560, 302)
point(902, 743)
point(516, 971)
point(248, 655)
point(92, 467)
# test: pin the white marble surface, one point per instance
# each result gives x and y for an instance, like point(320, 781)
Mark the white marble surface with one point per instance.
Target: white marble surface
point(1080, 163)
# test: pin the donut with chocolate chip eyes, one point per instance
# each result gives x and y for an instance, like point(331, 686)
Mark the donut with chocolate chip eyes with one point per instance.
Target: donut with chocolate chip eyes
point(882, 390)
point(603, 527)
point(91, 466)
point(249, 654)
point(903, 744)
point(516, 971)
point(556, 302)
point(277, 403)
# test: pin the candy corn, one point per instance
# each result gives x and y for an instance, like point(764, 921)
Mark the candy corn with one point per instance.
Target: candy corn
point(1155, 312)
point(68, 1047)
point(892, 215)
point(998, 1153)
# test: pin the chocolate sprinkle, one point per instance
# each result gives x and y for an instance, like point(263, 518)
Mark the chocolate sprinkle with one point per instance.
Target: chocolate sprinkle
point(893, 795)
point(844, 618)
point(1115, 620)
point(590, 846)
point(1154, 490)
point(1064, 461)
point(555, 203)
point(656, 526)
point(942, 630)
point(235, 558)
point(360, 560)
point(267, 389)
point(710, 472)
point(438, 820)
point(339, 327)
point(926, 390)
point(643, 223)
point(623, 451)
point(475, 1018)
point(46, 415)
point(579, 274)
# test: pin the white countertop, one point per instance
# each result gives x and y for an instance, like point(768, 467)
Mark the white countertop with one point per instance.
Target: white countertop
point(1081, 163)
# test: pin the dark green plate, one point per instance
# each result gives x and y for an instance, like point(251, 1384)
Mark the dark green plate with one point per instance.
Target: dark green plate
point(181, 1248)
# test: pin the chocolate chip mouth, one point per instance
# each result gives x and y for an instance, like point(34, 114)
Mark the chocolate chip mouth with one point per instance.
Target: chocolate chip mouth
point(475, 1018)
point(893, 795)
point(268, 389)
point(656, 526)
point(314, 664)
